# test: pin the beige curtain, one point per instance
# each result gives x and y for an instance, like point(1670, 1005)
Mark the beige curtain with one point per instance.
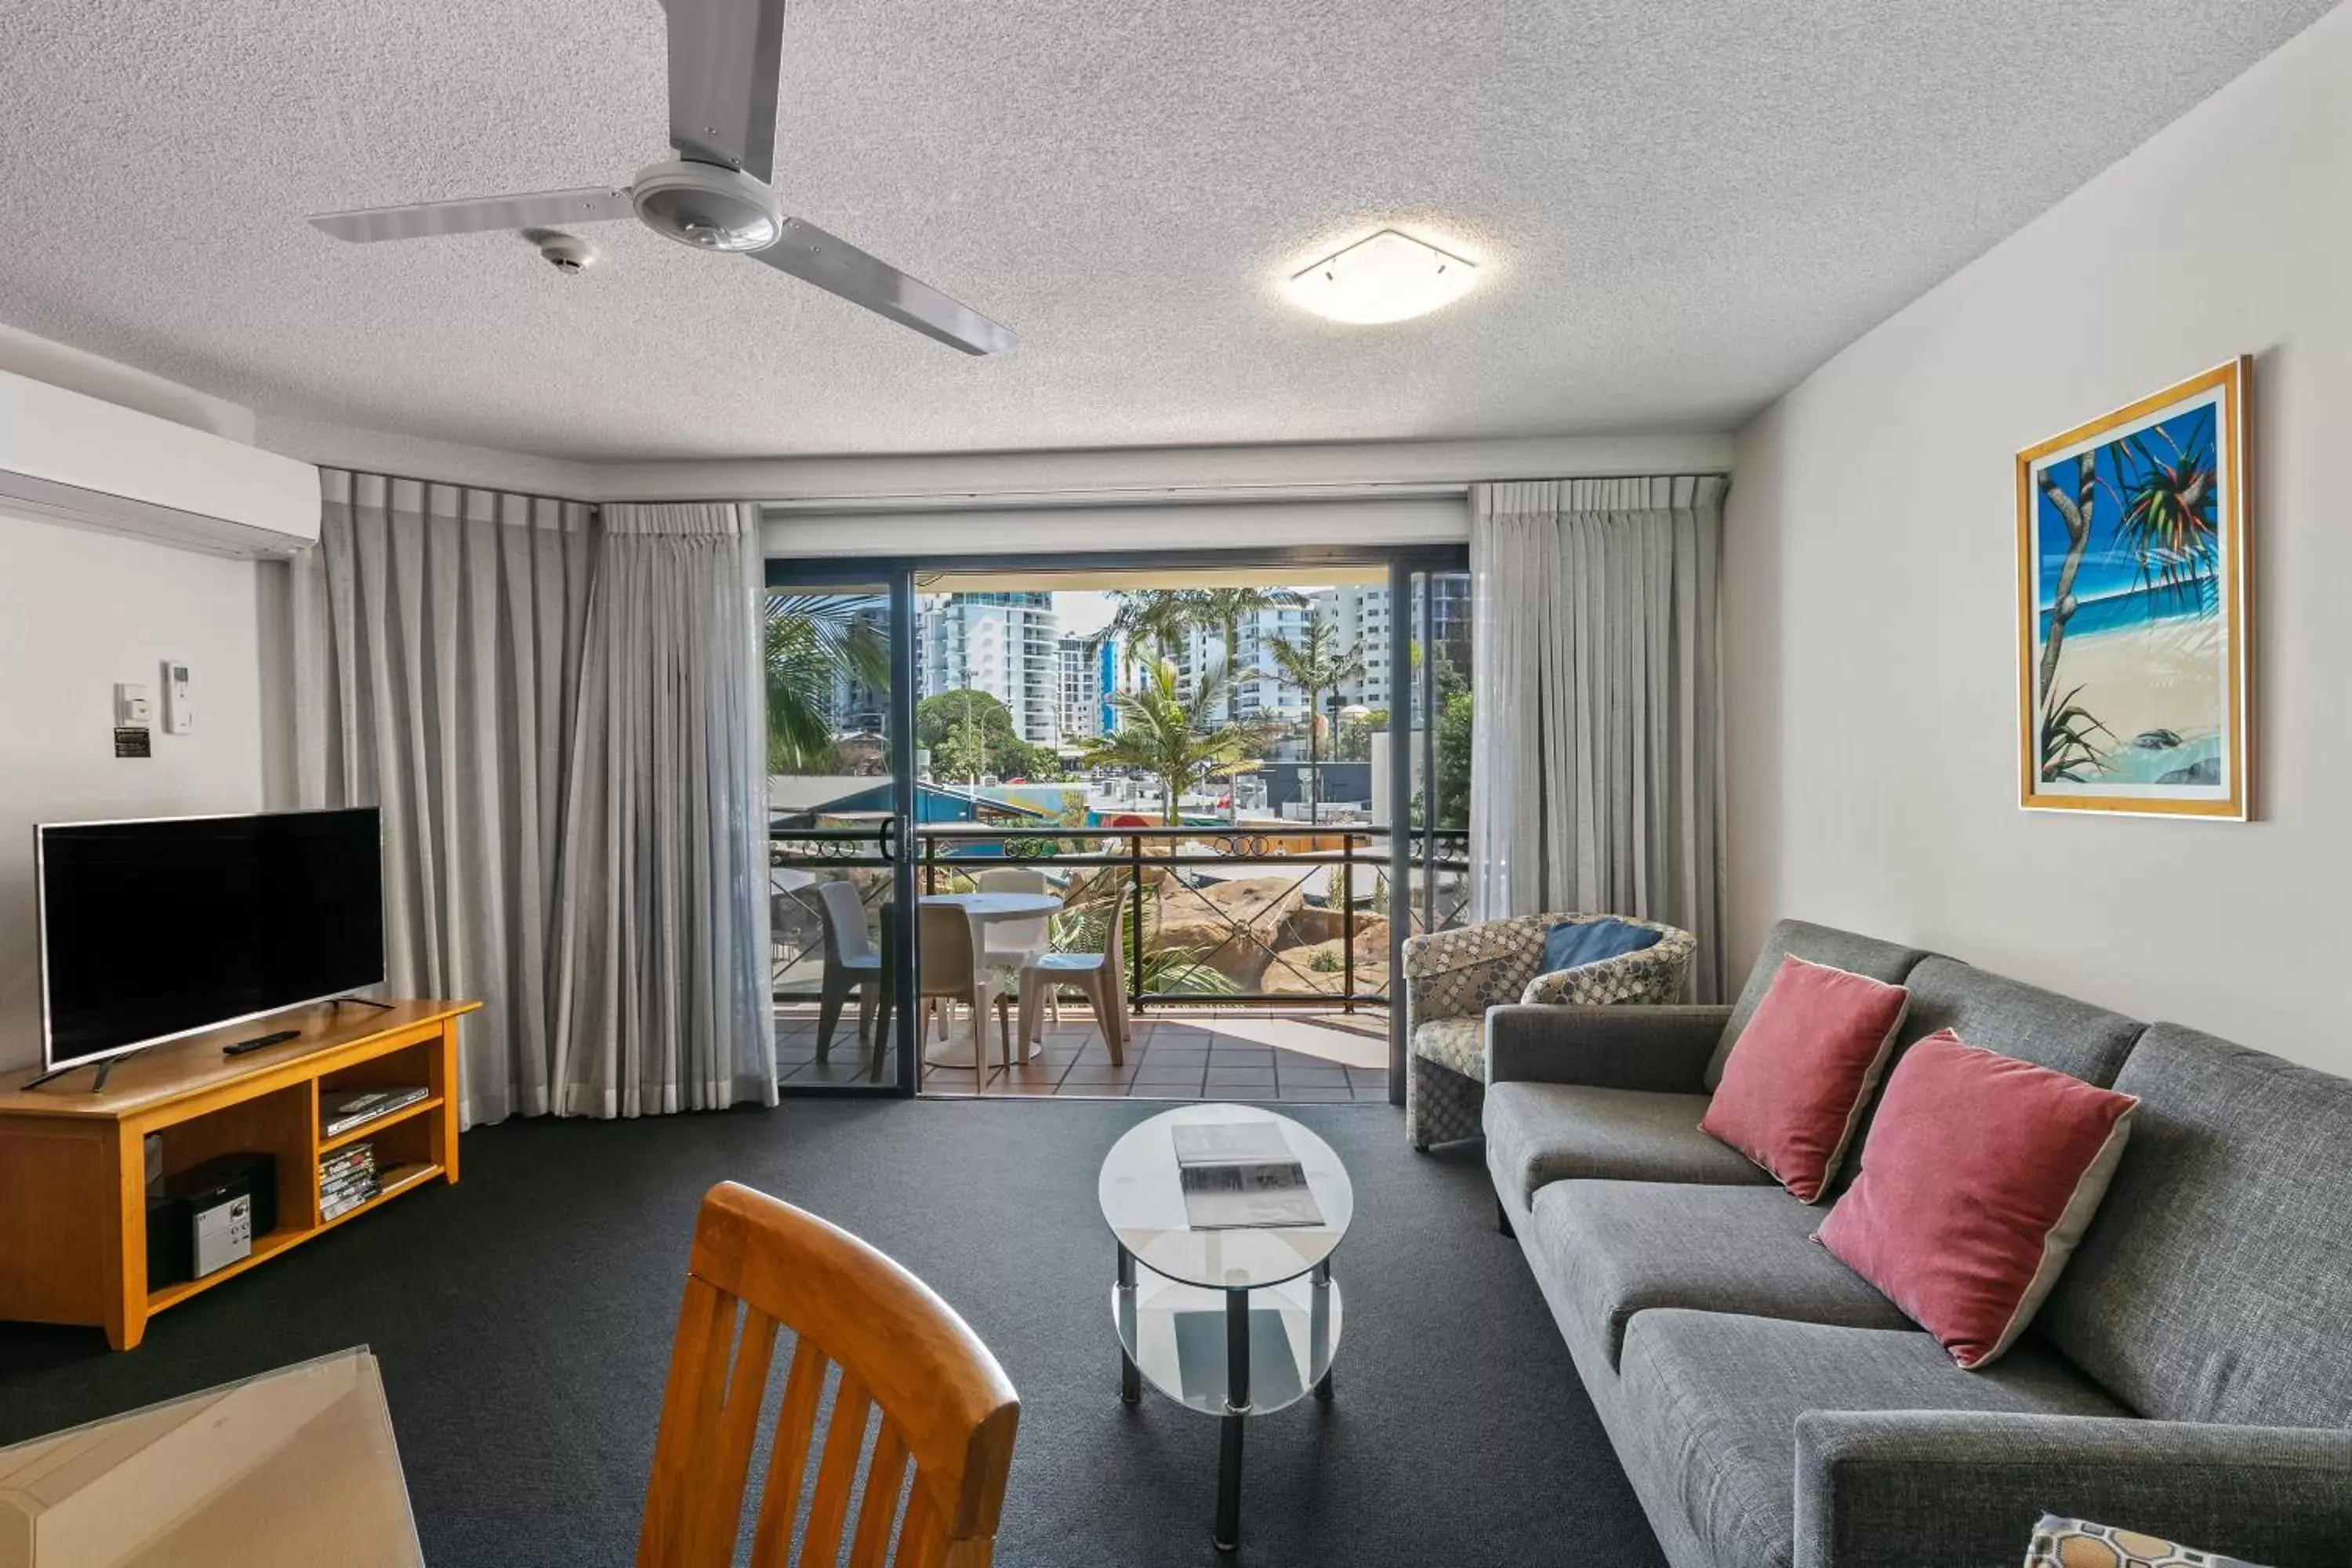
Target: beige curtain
point(1596, 775)
point(559, 716)
point(661, 983)
point(437, 636)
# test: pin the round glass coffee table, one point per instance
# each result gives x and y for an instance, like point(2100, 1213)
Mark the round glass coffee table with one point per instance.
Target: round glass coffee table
point(1235, 1320)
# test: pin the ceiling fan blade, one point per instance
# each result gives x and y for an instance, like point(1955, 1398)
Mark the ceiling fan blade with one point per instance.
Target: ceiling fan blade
point(547, 209)
point(723, 59)
point(837, 267)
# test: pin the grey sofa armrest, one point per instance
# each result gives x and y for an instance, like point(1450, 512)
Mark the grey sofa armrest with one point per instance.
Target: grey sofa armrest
point(1651, 1047)
point(1940, 1488)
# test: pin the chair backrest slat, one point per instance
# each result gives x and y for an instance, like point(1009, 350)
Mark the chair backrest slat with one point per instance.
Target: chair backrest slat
point(836, 1475)
point(690, 1405)
point(726, 1462)
point(946, 1411)
point(780, 1494)
point(923, 1538)
point(886, 1475)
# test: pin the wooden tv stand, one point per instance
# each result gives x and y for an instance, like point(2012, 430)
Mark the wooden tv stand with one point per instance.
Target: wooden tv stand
point(73, 1207)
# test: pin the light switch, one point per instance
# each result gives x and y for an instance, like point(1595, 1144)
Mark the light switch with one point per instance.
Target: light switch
point(179, 708)
point(131, 708)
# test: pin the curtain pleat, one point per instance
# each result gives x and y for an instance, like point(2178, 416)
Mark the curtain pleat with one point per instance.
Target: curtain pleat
point(1596, 778)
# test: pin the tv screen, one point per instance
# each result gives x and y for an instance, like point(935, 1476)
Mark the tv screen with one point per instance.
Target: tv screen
point(155, 929)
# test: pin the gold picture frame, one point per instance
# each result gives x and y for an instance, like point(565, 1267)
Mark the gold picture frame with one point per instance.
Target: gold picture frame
point(2134, 607)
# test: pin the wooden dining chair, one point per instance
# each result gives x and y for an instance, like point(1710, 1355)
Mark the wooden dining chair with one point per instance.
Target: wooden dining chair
point(946, 1412)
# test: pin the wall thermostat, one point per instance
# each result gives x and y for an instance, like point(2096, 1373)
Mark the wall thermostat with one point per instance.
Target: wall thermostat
point(179, 709)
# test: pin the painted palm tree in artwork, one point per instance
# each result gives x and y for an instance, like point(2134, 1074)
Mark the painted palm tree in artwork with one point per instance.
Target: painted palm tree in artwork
point(2169, 509)
point(1163, 733)
point(814, 644)
point(1316, 664)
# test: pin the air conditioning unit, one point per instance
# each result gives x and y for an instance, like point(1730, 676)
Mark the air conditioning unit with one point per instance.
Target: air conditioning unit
point(73, 459)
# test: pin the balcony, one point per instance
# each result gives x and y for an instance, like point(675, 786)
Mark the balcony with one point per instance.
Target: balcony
point(1257, 955)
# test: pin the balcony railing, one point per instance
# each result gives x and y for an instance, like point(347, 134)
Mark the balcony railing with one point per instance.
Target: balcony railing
point(1258, 914)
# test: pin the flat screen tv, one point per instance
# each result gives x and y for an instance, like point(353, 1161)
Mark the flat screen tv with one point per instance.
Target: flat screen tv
point(155, 929)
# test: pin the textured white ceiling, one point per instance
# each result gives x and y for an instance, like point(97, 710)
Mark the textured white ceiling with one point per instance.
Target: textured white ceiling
point(1681, 205)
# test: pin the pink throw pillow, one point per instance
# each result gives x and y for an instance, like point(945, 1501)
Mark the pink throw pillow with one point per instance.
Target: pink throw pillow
point(1979, 1176)
point(1798, 1076)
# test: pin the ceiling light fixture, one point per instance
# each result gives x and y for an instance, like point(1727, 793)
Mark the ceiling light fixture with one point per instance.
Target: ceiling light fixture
point(1390, 277)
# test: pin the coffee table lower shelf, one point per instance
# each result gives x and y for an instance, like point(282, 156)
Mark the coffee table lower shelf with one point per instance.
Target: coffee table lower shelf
point(1228, 1354)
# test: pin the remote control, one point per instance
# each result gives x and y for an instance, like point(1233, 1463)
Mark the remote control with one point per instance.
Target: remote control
point(255, 1043)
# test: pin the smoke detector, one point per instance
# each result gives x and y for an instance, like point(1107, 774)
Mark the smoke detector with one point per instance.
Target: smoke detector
point(567, 253)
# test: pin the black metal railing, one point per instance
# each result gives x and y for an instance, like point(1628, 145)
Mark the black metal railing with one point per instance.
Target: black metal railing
point(1295, 935)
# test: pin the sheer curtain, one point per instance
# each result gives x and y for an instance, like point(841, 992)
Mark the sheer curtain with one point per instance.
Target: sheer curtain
point(1596, 775)
point(438, 636)
point(559, 716)
point(661, 983)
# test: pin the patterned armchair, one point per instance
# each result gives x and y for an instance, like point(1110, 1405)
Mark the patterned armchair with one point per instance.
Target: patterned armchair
point(1452, 977)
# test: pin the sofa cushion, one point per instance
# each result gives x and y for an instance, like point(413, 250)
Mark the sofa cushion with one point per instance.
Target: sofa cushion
point(1539, 1134)
point(2216, 1282)
point(1981, 1174)
point(1456, 1043)
point(1997, 1014)
point(1823, 944)
point(2007, 1016)
point(1714, 1400)
point(1795, 1085)
point(1623, 1247)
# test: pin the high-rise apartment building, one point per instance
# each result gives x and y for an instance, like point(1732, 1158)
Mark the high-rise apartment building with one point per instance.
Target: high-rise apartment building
point(1088, 665)
point(1003, 644)
point(1358, 620)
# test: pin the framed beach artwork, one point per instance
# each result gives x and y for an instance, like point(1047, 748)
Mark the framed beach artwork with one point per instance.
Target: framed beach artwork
point(2132, 623)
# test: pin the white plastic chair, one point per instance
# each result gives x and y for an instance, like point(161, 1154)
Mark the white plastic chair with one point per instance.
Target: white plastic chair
point(946, 968)
point(851, 963)
point(1014, 944)
point(1102, 976)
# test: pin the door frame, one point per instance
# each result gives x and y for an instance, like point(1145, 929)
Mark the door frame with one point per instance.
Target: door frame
point(899, 575)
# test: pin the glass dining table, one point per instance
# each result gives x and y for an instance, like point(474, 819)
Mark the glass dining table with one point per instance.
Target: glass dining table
point(294, 1469)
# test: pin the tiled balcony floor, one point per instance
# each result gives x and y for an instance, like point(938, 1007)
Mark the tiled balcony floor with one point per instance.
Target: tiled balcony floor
point(1224, 1053)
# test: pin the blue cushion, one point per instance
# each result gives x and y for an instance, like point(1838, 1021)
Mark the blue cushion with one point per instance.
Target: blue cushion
point(1589, 942)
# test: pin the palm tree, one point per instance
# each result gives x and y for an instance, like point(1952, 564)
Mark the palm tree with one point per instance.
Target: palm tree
point(1316, 664)
point(1223, 608)
point(814, 642)
point(1163, 734)
point(1156, 617)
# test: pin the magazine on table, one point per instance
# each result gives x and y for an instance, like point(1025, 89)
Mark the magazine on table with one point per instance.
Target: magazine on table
point(1239, 1175)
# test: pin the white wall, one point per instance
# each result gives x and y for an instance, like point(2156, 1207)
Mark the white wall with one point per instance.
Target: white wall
point(1869, 597)
point(80, 611)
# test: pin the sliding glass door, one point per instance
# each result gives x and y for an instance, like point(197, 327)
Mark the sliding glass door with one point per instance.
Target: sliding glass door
point(840, 809)
point(940, 725)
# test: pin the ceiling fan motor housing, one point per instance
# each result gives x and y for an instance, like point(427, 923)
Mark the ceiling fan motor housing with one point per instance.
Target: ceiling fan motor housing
point(707, 205)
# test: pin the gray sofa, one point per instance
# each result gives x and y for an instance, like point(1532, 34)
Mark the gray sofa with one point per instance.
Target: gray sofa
point(2191, 1376)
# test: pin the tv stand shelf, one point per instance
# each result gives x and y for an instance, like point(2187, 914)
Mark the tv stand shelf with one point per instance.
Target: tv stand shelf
point(73, 1211)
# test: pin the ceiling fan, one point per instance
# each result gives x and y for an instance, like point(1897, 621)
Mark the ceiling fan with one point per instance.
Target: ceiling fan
point(714, 195)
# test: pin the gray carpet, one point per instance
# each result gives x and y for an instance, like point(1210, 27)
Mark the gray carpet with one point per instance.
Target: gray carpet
point(524, 1319)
